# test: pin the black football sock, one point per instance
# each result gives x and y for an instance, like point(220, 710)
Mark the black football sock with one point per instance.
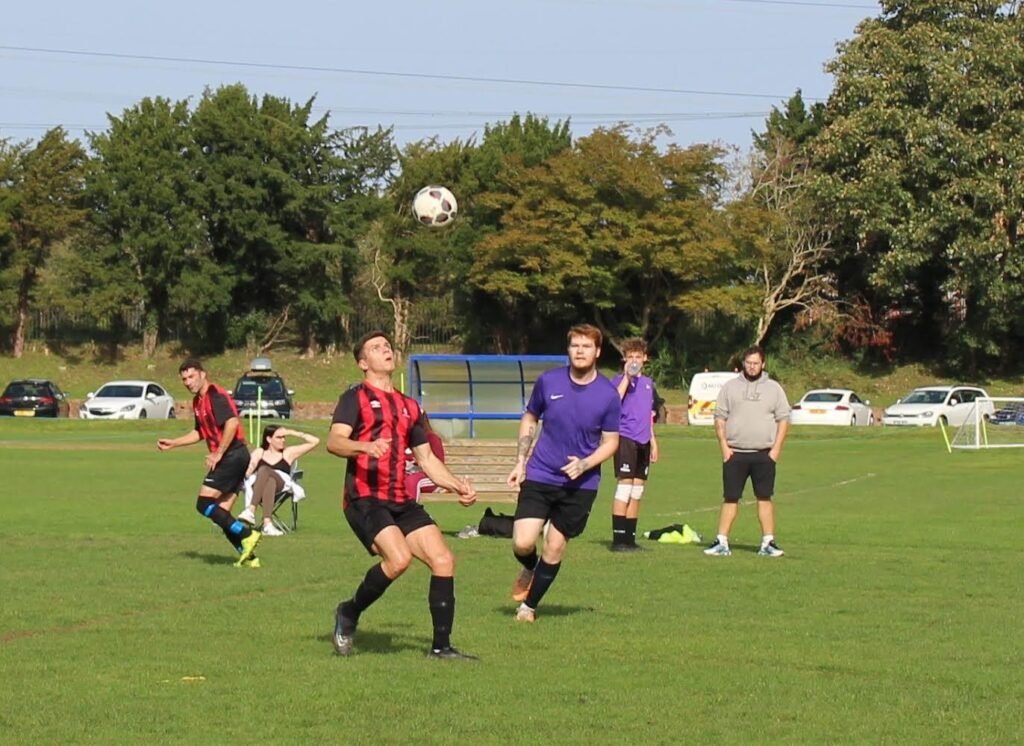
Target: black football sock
point(233, 529)
point(373, 586)
point(543, 577)
point(441, 599)
point(630, 531)
point(529, 561)
point(619, 530)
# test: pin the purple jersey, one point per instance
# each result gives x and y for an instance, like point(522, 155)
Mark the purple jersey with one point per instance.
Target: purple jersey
point(637, 407)
point(573, 417)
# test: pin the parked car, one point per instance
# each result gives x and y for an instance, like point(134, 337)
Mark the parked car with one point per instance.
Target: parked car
point(128, 400)
point(1011, 413)
point(831, 407)
point(261, 392)
point(33, 397)
point(930, 405)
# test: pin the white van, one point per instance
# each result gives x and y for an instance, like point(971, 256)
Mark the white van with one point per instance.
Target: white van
point(704, 388)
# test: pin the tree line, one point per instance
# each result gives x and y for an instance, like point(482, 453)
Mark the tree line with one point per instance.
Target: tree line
point(881, 224)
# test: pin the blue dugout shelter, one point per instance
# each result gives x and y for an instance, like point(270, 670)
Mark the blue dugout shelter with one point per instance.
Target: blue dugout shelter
point(473, 388)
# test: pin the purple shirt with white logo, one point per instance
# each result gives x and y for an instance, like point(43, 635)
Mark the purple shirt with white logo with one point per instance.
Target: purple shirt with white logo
point(637, 406)
point(573, 417)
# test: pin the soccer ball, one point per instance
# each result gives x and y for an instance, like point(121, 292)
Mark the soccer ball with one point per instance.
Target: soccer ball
point(434, 206)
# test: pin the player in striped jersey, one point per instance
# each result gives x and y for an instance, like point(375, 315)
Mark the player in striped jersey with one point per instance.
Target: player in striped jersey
point(216, 423)
point(372, 427)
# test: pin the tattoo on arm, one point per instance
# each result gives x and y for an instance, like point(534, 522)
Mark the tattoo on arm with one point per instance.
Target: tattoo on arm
point(525, 443)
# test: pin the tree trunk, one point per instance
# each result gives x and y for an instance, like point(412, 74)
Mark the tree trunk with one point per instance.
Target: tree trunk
point(150, 339)
point(150, 332)
point(20, 329)
point(402, 310)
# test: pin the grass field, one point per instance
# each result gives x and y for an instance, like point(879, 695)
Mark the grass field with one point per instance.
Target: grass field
point(895, 616)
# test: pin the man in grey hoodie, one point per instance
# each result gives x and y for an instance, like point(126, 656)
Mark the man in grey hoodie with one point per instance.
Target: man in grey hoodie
point(751, 422)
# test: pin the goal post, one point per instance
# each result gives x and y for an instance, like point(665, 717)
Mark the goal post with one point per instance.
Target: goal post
point(993, 422)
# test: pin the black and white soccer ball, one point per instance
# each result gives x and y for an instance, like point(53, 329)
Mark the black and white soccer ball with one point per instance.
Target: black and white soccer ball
point(435, 206)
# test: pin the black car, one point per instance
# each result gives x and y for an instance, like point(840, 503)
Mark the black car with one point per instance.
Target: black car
point(33, 397)
point(261, 392)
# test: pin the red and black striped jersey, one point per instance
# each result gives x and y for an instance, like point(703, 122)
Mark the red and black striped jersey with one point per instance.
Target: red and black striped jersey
point(212, 411)
point(372, 414)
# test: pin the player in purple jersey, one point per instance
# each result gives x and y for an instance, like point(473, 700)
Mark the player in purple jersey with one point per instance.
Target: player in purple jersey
point(558, 476)
point(638, 448)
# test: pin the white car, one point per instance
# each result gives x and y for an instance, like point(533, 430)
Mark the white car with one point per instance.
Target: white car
point(831, 407)
point(929, 405)
point(128, 400)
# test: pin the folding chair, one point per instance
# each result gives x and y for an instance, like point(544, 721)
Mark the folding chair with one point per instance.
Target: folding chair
point(287, 495)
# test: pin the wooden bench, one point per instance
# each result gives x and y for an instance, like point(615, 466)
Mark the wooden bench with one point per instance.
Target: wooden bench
point(486, 462)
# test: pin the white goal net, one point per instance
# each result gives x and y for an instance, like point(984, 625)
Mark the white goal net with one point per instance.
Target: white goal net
point(994, 422)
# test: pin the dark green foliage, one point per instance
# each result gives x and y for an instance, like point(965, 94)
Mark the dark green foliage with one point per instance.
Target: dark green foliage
point(922, 157)
point(40, 208)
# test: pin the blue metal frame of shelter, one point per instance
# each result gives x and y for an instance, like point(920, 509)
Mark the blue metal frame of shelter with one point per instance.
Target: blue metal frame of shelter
point(468, 406)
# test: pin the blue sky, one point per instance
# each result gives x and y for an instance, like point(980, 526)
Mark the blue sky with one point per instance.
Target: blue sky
point(710, 69)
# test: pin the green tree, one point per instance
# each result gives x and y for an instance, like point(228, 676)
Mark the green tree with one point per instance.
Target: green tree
point(405, 262)
point(795, 123)
point(41, 203)
point(369, 166)
point(613, 231)
point(785, 242)
point(268, 180)
point(922, 155)
point(146, 216)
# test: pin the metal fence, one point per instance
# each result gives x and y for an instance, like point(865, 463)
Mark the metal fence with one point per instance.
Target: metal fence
point(432, 325)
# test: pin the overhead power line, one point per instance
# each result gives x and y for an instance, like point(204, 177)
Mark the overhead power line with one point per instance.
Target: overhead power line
point(806, 4)
point(393, 74)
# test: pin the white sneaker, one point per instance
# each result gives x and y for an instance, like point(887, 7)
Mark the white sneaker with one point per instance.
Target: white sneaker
point(270, 529)
point(248, 516)
point(718, 549)
point(525, 614)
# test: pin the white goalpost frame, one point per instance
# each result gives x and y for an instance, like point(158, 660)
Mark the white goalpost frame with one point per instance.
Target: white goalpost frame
point(978, 426)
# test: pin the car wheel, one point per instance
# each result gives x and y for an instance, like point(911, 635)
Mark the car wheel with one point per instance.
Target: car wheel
point(943, 421)
point(171, 414)
point(142, 414)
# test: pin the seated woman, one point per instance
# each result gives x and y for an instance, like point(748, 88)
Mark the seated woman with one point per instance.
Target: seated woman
point(416, 482)
point(270, 468)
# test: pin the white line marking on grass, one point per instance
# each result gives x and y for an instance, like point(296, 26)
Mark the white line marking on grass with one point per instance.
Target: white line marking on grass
point(818, 488)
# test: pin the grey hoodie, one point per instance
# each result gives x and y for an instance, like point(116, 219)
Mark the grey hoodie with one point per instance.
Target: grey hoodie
point(751, 410)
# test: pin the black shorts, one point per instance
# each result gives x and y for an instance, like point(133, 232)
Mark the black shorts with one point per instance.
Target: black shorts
point(369, 516)
point(757, 465)
point(632, 460)
point(227, 476)
point(567, 509)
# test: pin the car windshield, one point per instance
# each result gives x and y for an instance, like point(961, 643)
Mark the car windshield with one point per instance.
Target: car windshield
point(26, 389)
point(119, 391)
point(823, 396)
point(271, 387)
point(925, 397)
